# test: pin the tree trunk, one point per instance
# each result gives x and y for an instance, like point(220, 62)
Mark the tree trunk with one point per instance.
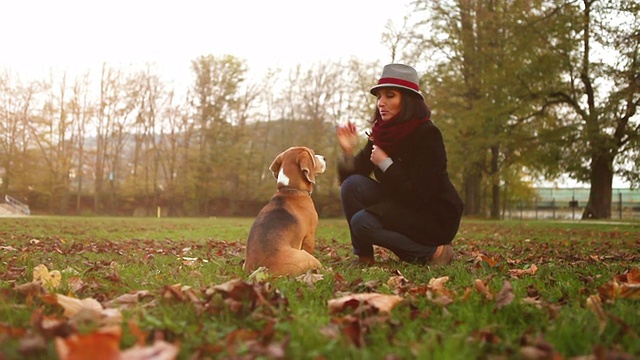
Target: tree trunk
point(472, 193)
point(599, 204)
point(495, 184)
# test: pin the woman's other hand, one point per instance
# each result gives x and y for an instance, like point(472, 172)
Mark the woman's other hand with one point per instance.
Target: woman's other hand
point(378, 155)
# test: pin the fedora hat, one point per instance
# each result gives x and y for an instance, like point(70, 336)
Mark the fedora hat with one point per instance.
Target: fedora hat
point(399, 76)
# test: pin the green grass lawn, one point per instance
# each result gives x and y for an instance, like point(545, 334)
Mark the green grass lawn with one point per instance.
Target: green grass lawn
point(517, 289)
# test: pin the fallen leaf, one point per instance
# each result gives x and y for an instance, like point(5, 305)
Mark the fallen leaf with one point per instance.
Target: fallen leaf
point(160, 350)
point(29, 289)
point(485, 336)
point(75, 284)
point(72, 306)
point(353, 330)
point(7, 330)
point(397, 282)
point(103, 344)
point(630, 291)
point(467, 294)
point(482, 259)
point(519, 272)
point(88, 309)
point(437, 284)
point(438, 293)
point(309, 278)
point(128, 299)
point(483, 289)
point(633, 276)
point(381, 302)
point(505, 296)
point(48, 279)
point(594, 303)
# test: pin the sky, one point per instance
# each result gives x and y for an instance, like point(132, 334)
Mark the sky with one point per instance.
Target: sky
point(40, 35)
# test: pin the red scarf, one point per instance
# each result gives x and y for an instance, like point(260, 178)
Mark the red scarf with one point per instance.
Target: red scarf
point(389, 134)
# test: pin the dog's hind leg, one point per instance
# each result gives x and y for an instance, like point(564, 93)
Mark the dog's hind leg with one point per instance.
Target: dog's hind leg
point(293, 262)
point(308, 244)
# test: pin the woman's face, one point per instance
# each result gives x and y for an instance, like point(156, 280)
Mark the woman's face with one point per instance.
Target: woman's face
point(389, 102)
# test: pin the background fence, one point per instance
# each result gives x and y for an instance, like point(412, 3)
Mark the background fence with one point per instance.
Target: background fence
point(569, 203)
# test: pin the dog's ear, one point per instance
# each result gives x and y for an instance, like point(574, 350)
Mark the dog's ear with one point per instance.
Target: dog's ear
point(275, 165)
point(307, 162)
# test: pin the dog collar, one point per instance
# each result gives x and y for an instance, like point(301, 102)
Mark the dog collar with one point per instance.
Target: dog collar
point(292, 190)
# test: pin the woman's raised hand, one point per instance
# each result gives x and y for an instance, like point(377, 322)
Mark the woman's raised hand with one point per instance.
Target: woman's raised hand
point(347, 137)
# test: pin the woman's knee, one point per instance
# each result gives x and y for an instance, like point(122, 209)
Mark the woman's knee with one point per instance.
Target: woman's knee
point(351, 184)
point(363, 224)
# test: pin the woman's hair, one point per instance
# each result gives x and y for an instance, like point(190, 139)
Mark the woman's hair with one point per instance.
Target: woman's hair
point(413, 107)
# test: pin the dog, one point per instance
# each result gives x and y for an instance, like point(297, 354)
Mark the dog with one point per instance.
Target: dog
point(282, 237)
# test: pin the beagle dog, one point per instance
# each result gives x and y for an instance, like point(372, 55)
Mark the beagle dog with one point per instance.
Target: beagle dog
point(282, 237)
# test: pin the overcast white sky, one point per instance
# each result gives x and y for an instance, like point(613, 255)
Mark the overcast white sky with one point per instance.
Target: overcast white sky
point(79, 34)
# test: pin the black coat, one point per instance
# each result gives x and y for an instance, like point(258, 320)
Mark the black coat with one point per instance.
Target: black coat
point(420, 200)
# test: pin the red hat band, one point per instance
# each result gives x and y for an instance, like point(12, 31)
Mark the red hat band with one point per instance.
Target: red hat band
point(396, 81)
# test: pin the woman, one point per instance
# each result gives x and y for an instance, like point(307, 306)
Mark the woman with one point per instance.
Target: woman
point(411, 207)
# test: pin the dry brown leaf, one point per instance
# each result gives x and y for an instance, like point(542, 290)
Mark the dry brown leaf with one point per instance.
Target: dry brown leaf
point(137, 332)
point(519, 272)
point(75, 284)
point(438, 293)
point(160, 350)
point(6, 330)
point(397, 282)
point(103, 344)
point(72, 306)
point(239, 294)
point(534, 353)
point(481, 258)
point(633, 276)
point(594, 303)
point(437, 284)
point(89, 308)
point(383, 303)
point(310, 278)
point(483, 289)
point(485, 336)
point(505, 296)
point(630, 284)
point(128, 299)
point(467, 294)
point(29, 289)
point(630, 291)
point(609, 291)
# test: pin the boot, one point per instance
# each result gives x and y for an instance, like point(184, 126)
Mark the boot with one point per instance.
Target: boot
point(443, 256)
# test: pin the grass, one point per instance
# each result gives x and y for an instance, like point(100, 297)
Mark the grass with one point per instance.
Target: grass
point(181, 264)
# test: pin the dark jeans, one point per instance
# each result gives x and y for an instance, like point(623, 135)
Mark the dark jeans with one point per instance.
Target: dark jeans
point(358, 192)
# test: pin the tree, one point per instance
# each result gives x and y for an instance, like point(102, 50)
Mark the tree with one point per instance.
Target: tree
point(601, 93)
point(175, 137)
point(142, 180)
point(214, 97)
point(15, 113)
point(81, 110)
point(54, 135)
point(479, 53)
point(112, 123)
